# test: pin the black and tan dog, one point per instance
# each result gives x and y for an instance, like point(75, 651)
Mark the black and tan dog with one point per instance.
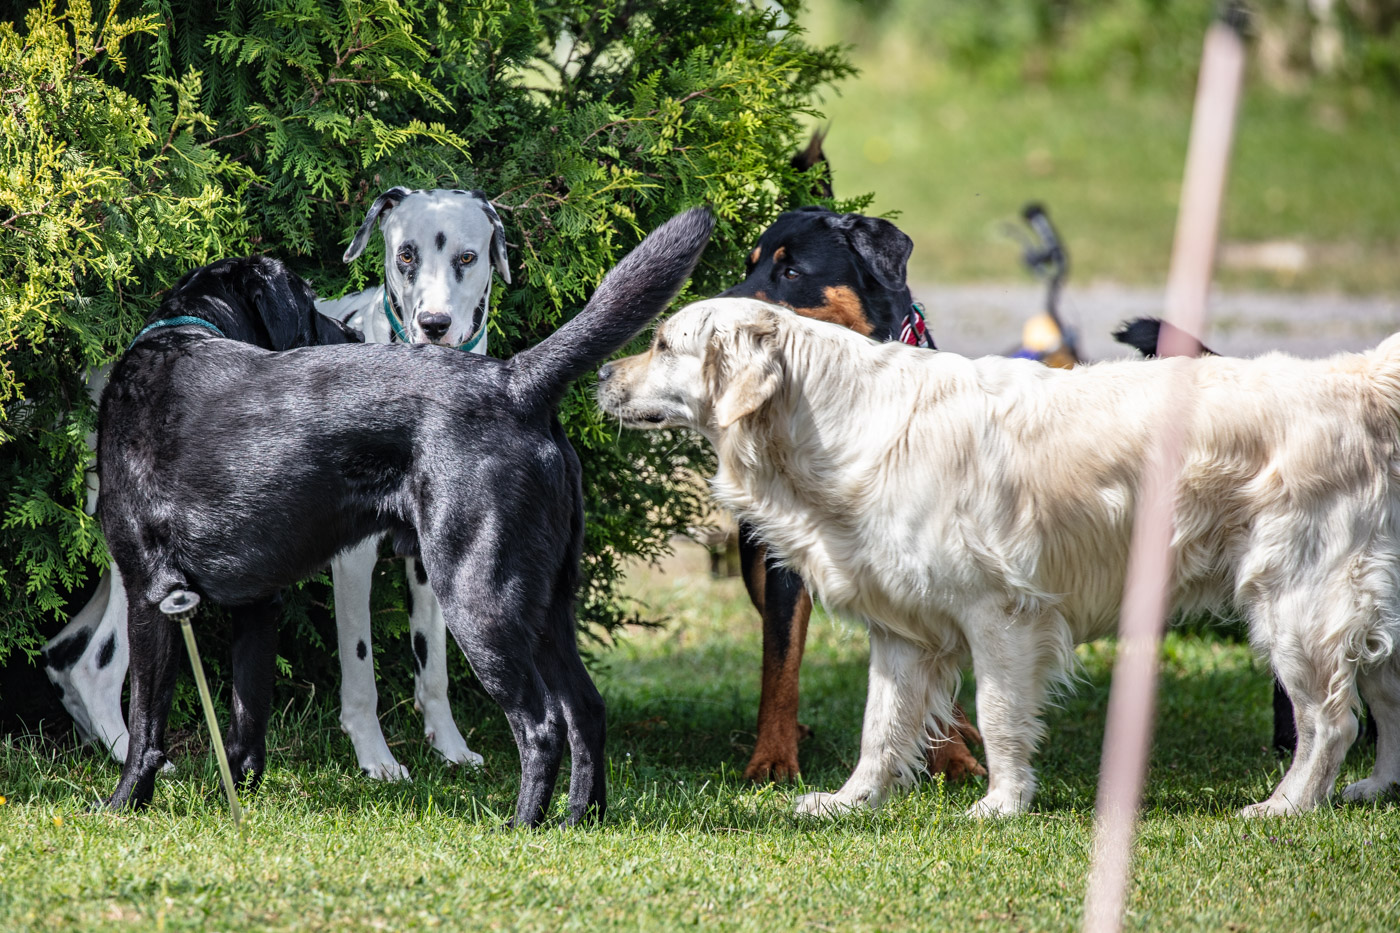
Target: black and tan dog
point(234, 472)
point(848, 269)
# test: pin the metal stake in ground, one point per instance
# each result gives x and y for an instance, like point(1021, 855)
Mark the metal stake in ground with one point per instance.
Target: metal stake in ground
point(1132, 697)
point(180, 606)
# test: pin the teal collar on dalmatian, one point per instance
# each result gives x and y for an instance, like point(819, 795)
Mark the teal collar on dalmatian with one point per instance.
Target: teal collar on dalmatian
point(402, 336)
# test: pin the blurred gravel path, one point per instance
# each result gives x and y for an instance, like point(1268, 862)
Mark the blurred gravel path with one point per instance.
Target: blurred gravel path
point(980, 319)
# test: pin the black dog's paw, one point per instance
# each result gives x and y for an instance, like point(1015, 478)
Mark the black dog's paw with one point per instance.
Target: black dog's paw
point(118, 803)
point(246, 768)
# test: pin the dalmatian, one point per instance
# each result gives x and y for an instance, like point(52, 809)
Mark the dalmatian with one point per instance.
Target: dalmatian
point(441, 246)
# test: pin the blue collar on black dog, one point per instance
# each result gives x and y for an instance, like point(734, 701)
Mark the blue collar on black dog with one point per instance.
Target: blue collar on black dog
point(181, 321)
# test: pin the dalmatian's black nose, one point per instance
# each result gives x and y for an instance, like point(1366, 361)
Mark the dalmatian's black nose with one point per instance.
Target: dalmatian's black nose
point(434, 325)
point(605, 373)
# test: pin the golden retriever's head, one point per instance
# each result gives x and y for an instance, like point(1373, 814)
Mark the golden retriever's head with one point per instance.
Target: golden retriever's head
point(711, 363)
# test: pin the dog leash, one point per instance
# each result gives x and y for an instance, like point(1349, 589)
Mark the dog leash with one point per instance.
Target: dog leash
point(183, 320)
point(914, 331)
point(402, 336)
point(179, 606)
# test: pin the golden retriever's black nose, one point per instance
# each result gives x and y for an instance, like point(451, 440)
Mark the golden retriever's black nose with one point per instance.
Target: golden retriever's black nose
point(434, 325)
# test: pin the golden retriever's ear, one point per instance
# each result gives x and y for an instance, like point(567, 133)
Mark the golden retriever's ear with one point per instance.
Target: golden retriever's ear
point(743, 368)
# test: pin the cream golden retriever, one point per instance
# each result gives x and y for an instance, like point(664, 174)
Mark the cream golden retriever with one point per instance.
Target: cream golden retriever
point(982, 508)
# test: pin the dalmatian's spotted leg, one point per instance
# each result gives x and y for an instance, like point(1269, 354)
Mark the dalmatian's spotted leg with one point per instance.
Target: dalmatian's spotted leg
point(352, 570)
point(430, 667)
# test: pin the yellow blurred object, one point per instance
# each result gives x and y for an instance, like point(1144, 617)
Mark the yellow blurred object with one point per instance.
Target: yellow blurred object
point(1042, 339)
point(1041, 334)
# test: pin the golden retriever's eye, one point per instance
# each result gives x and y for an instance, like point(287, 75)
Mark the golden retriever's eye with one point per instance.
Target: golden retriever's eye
point(406, 256)
point(790, 273)
point(467, 258)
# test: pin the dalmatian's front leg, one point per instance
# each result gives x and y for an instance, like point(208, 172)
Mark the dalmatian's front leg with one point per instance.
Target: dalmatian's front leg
point(87, 664)
point(352, 570)
point(430, 668)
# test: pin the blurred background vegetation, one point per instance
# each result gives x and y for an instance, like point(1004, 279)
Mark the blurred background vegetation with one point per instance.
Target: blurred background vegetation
point(962, 112)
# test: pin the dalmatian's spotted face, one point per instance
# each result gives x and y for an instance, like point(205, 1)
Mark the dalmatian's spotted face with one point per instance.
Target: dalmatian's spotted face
point(440, 248)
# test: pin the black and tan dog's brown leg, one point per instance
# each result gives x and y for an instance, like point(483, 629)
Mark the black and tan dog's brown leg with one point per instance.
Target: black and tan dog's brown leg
point(784, 606)
point(952, 757)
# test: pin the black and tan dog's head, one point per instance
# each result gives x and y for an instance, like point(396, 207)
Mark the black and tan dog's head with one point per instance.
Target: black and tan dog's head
point(710, 364)
point(848, 269)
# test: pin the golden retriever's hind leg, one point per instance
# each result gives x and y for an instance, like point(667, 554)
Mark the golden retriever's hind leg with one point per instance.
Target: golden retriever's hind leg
point(893, 735)
point(1381, 689)
point(1014, 659)
point(1320, 677)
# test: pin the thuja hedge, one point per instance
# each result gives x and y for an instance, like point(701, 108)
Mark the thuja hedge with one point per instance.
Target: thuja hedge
point(146, 138)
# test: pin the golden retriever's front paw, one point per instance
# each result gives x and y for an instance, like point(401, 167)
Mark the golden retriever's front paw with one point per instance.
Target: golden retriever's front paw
point(997, 804)
point(1370, 789)
point(822, 805)
point(1270, 807)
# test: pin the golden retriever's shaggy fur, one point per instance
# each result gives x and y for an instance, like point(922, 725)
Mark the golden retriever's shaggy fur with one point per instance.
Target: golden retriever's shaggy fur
point(982, 508)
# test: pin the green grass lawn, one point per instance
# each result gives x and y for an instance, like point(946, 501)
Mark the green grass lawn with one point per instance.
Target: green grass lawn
point(957, 159)
point(685, 842)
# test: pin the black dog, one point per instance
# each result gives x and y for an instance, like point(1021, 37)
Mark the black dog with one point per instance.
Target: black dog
point(848, 269)
point(234, 472)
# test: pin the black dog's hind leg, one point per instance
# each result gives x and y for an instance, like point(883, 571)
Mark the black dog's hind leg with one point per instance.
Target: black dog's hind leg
point(584, 713)
point(254, 672)
point(152, 637)
point(497, 640)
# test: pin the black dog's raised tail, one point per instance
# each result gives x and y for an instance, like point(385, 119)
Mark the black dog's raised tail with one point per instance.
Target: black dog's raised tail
point(1143, 333)
point(636, 290)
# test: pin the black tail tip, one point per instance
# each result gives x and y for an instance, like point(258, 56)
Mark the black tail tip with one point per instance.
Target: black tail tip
point(1141, 334)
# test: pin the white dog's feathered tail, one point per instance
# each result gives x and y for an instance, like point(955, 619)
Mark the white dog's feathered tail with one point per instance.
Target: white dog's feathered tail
point(1385, 362)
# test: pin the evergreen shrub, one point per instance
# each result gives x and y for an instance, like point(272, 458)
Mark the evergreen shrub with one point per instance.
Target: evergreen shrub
point(144, 139)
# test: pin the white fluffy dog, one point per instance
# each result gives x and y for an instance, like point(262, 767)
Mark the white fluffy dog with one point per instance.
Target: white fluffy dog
point(983, 508)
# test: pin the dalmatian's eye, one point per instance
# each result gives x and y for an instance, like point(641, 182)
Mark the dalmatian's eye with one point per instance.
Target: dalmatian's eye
point(661, 345)
point(790, 273)
point(406, 256)
point(467, 258)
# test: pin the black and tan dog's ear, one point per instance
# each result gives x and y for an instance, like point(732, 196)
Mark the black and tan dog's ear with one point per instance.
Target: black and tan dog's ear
point(498, 238)
point(883, 248)
point(744, 367)
point(382, 205)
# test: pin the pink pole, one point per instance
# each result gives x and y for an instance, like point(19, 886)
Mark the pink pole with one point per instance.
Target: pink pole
point(1132, 697)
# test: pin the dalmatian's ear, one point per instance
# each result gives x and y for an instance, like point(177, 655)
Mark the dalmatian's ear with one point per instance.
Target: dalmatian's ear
point(498, 238)
point(382, 205)
point(882, 247)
